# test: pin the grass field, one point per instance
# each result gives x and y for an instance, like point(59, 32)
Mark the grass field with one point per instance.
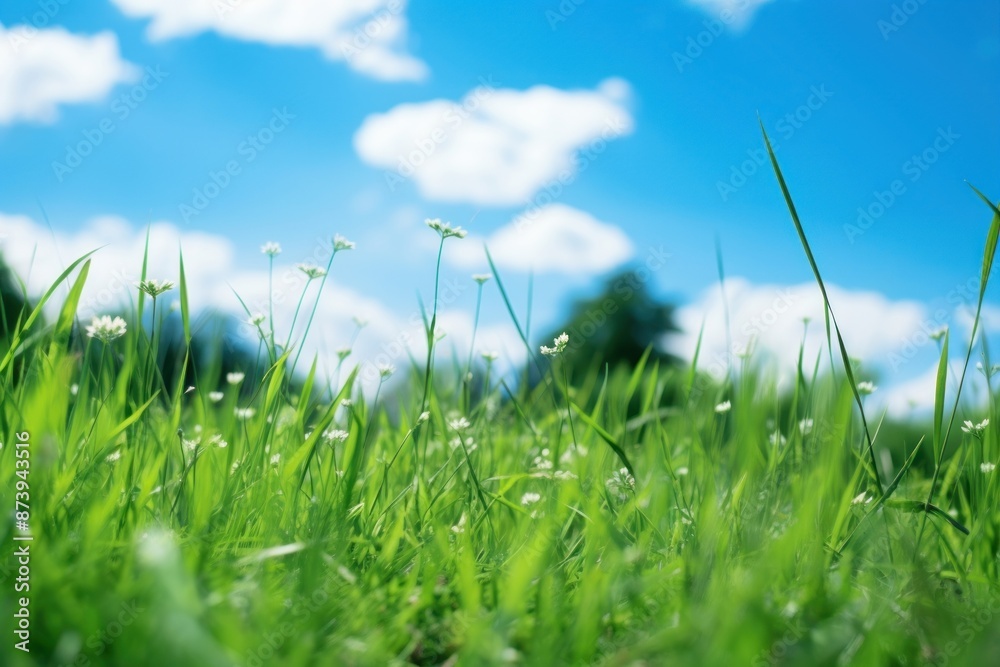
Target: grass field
point(483, 522)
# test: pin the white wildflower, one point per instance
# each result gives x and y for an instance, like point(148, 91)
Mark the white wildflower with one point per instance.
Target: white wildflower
point(481, 277)
point(335, 435)
point(386, 370)
point(271, 249)
point(530, 498)
point(106, 329)
point(311, 271)
point(445, 229)
point(154, 287)
point(244, 413)
point(256, 319)
point(975, 430)
point(806, 426)
point(340, 243)
point(424, 416)
point(987, 467)
point(215, 396)
point(459, 424)
point(621, 483)
point(861, 499)
point(460, 526)
point(723, 407)
point(559, 345)
point(867, 388)
point(235, 378)
point(275, 459)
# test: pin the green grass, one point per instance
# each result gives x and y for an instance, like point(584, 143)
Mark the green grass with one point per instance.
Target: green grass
point(557, 524)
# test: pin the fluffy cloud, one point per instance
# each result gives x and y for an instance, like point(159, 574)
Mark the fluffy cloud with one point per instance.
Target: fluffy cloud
point(213, 274)
point(769, 320)
point(42, 69)
point(553, 239)
point(495, 146)
point(368, 34)
point(887, 336)
point(737, 13)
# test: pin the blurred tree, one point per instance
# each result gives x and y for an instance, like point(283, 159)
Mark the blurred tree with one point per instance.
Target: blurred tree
point(13, 304)
point(615, 327)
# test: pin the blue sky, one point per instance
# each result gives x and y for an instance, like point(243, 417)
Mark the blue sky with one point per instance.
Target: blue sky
point(871, 91)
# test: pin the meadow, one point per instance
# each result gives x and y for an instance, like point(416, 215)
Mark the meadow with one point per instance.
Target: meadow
point(204, 517)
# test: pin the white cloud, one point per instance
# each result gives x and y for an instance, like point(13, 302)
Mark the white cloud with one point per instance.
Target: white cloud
point(737, 13)
point(495, 147)
point(368, 34)
point(213, 273)
point(553, 239)
point(770, 319)
point(42, 69)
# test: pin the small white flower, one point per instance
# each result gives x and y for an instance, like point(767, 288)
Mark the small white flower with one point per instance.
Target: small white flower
point(106, 329)
point(481, 277)
point(215, 396)
point(113, 456)
point(340, 243)
point(490, 356)
point(563, 475)
point(244, 413)
point(806, 426)
point(777, 439)
point(235, 378)
point(542, 462)
point(311, 270)
point(987, 467)
point(424, 416)
point(275, 459)
point(271, 249)
point(343, 353)
point(559, 345)
point(621, 483)
point(682, 471)
point(191, 445)
point(445, 229)
point(861, 499)
point(335, 435)
point(975, 430)
point(218, 441)
point(154, 287)
point(74, 389)
point(257, 319)
point(723, 407)
point(386, 370)
point(460, 526)
point(459, 424)
point(347, 402)
point(867, 388)
point(530, 498)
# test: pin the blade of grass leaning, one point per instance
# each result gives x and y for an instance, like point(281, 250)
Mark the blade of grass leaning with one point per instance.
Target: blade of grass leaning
point(989, 254)
point(828, 309)
point(605, 436)
point(64, 323)
point(185, 308)
point(37, 311)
